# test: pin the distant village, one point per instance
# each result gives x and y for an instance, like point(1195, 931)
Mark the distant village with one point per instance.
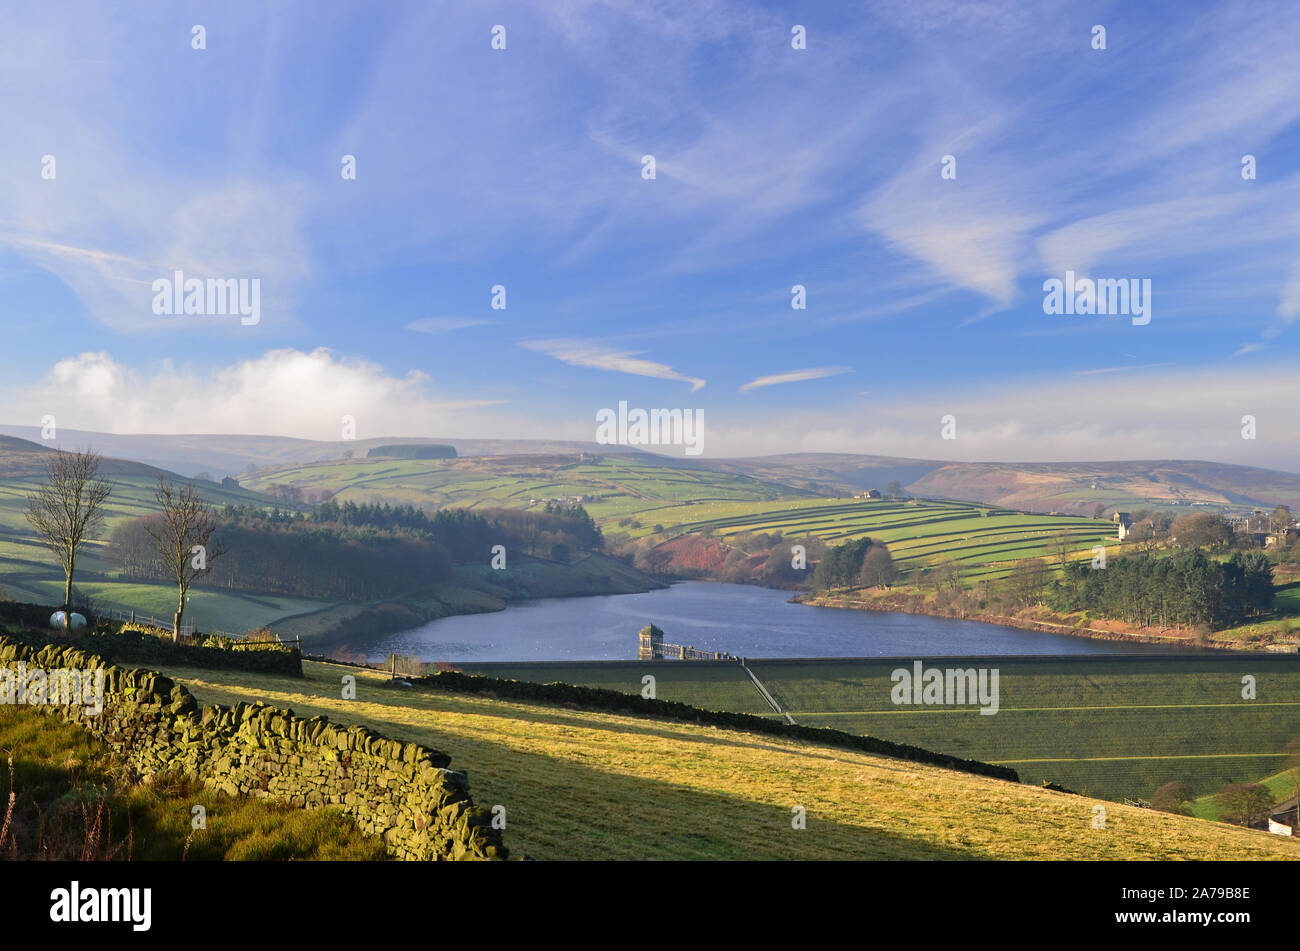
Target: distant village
point(1258, 526)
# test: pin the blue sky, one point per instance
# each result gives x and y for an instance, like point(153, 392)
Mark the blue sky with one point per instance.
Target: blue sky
point(775, 166)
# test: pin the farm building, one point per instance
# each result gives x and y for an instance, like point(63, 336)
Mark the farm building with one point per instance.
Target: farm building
point(1283, 819)
point(1284, 537)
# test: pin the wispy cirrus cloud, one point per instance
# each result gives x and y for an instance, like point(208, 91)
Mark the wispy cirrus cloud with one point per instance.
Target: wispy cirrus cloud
point(442, 325)
point(580, 353)
point(1101, 370)
point(794, 376)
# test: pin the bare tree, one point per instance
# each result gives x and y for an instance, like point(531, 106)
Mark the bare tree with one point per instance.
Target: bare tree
point(182, 533)
point(1062, 547)
point(1282, 519)
point(1027, 581)
point(68, 511)
point(877, 568)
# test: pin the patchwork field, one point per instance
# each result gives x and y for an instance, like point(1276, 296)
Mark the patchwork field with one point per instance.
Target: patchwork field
point(985, 541)
point(582, 785)
point(1113, 727)
point(614, 487)
point(642, 499)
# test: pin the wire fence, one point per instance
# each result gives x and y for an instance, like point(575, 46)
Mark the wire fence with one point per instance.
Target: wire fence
point(131, 617)
point(253, 640)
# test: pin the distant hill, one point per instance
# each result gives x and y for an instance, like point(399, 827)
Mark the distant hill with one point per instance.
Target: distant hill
point(1077, 487)
point(232, 455)
point(1068, 487)
point(13, 444)
point(20, 458)
point(23, 461)
point(830, 472)
point(413, 451)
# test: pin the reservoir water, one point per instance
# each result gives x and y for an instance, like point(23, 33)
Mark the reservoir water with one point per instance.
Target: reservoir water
point(740, 619)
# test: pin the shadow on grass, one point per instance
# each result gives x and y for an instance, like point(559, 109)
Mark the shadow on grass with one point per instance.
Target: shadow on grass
point(561, 809)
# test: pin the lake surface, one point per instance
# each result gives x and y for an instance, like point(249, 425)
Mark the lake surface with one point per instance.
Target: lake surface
point(739, 619)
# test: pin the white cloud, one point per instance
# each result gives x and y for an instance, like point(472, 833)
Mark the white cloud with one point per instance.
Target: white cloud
point(282, 392)
point(1184, 413)
point(794, 376)
point(598, 356)
point(971, 236)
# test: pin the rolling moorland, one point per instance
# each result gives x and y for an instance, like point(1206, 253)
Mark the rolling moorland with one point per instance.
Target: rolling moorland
point(1073, 487)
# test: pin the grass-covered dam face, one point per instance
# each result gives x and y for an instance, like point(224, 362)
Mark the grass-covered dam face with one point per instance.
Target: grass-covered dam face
point(1110, 726)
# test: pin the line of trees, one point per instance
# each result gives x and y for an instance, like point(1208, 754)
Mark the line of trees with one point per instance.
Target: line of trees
point(842, 566)
point(466, 535)
point(1188, 588)
point(314, 562)
point(338, 552)
point(294, 557)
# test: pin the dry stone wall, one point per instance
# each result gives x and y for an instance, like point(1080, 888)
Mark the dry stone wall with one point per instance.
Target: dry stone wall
point(400, 791)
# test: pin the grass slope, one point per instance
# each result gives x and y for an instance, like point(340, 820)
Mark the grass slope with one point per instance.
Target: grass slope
point(584, 785)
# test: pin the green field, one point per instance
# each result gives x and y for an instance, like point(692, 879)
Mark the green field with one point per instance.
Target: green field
point(614, 487)
point(984, 541)
point(1113, 727)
